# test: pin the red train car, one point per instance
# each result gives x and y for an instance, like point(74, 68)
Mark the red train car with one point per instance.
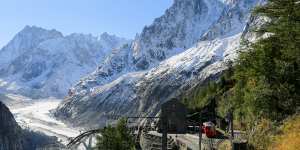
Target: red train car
point(209, 129)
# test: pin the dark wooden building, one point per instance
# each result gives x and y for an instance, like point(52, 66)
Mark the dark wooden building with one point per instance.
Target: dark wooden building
point(173, 115)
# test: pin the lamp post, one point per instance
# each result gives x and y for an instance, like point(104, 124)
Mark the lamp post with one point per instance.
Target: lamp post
point(200, 131)
point(164, 133)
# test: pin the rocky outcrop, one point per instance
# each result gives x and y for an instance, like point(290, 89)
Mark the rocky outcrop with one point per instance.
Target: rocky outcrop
point(10, 132)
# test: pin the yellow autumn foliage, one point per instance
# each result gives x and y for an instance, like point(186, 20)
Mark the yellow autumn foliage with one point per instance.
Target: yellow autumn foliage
point(289, 137)
point(261, 137)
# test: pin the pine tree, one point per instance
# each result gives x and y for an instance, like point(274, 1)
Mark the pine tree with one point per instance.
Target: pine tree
point(268, 74)
point(115, 138)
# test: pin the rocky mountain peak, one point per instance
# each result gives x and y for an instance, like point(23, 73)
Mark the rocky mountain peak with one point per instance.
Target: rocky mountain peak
point(26, 40)
point(109, 40)
point(30, 36)
point(179, 28)
point(37, 62)
point(36, 29)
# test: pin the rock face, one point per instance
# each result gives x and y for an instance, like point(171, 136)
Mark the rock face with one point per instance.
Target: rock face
point(10, 132)
point(190, 44)
point(179, 28)
point(41, 63)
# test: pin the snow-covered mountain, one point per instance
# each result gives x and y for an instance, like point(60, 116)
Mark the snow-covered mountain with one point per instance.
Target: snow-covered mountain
point(40, 63)
point(189, 44)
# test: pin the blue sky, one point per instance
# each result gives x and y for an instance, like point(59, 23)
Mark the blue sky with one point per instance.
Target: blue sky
point(121, 17)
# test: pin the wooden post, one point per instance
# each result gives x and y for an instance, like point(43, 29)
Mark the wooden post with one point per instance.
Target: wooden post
point(231, 128)
point(164, 143)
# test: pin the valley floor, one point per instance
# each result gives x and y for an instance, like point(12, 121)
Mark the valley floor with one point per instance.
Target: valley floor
point(36, 115)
